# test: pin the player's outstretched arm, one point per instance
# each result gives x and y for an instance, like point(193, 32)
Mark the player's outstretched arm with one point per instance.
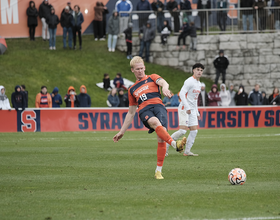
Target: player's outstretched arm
point(128, 119)
point(165, 87)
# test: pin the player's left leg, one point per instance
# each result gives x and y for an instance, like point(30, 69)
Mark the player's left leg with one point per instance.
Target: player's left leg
point(160, 157)
point(193, 123)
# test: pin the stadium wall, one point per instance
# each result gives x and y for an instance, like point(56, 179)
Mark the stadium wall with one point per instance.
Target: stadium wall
point(111, 119)
point(253, 57)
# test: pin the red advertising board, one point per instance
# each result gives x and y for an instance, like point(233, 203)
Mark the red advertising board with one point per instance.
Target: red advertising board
point(111, 119)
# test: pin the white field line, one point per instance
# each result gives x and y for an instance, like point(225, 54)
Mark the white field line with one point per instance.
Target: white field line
point(48, 139)
point(249, 218)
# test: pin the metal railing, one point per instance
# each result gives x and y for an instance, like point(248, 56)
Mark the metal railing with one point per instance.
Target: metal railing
point(213, 21)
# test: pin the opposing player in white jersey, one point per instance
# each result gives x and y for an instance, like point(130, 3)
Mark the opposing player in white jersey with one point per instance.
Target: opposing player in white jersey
point(187, 110)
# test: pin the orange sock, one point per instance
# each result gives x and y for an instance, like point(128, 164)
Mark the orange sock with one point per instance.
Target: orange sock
point(163, 134)
point(161, 150)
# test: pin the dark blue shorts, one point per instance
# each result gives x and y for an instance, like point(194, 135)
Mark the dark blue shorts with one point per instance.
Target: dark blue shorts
point(158, 111)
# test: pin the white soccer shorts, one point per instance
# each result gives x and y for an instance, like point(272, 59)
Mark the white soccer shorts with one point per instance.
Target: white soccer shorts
point(187, 119)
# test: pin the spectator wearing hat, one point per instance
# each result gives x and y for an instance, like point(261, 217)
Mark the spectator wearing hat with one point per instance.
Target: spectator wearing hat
point(43, 99)
point(77, 21)
point(214, 96)
point(241, 97)
point(56, 98)
point(25, 93)
point(255, 96)
point(203, 96)
point(184, 32)
point(146, 35)
point(113, 31)
point(84, 98)
point(66, 22)
point(71, 99)
point(232, 95)
point(128, 39)
point(18, 99)
point(221, 64)
point(4, 101)
point(69, 6)
point(52, 22)
point(32, 22)
point(44, 12)
point(123, 98)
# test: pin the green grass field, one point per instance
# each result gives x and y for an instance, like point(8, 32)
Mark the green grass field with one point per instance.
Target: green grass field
point(85, 175)
point(33, 64)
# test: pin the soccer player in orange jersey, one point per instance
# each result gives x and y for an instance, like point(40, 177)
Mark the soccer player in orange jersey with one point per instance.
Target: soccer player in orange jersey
point(145, 94)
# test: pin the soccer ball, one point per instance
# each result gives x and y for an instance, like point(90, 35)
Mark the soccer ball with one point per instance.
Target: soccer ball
point(237, 176)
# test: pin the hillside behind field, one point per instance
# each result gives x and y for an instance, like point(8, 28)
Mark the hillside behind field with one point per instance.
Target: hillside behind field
point(33, 64)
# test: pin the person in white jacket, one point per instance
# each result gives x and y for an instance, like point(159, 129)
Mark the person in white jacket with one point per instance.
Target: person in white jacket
point(4, 101)
point(225, 96)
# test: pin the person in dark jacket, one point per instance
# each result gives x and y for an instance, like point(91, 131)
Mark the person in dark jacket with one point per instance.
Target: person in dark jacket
point(193, 35)
point(106, 82)
point(255, 96)
point(143, 5)
point(241, 97)
point(18, 99)
point(184, 32)
point(71, 99)
point(262, 14)
point(113, 98)
point(56, 98)
point(25, 93)
point(165, 32)
point(203, 5)
point(128, 39)
point(104, 14)
point(123, 99)
point(147, 34)
point(44, 12)
point(274, 98)
point(247, 14)
point(221, 64)
point(66, 22)
point(214, 96)
point(77, 21)
point(52, 21)
point(276, 12)
point(84, 98)
point(158, 8)
point(32, 22)
point(265, 100)
point(113, 31)
point(222, 15)
point(172, 7)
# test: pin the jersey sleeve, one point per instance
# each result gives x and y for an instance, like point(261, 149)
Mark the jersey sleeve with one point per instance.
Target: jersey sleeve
point(132, 100)
point(155, 77)
point(183, 93)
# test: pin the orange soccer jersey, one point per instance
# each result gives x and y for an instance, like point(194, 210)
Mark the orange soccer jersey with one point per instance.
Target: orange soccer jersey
point(145, 92)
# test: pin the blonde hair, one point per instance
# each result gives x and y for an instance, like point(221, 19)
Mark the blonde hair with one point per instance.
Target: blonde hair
point(135, 60)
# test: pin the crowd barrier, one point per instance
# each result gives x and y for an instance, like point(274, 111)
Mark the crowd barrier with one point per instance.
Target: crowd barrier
point(111, 119)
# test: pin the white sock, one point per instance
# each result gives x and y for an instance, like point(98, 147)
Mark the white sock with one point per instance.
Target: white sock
point(158, 169)
point(190, 141)
point(175, 136)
